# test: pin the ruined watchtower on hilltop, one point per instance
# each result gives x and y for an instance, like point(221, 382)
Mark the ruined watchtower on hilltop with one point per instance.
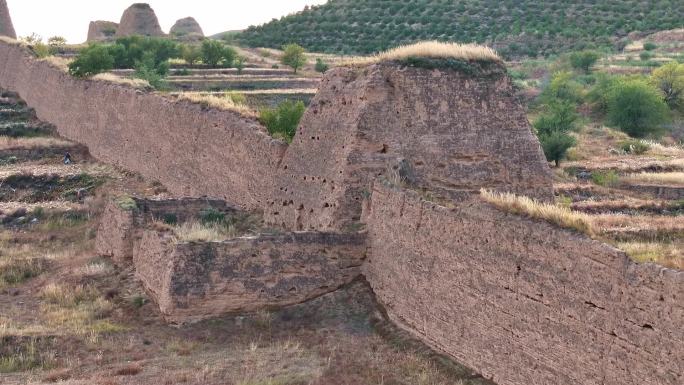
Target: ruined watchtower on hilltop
point(6, 27)
point(444, 125)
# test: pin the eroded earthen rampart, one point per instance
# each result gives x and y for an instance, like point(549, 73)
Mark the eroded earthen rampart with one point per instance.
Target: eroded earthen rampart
point(192, 150)
point(519, 300)
point(522, 301)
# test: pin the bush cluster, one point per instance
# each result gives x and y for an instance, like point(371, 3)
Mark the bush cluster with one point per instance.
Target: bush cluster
point(283, 120)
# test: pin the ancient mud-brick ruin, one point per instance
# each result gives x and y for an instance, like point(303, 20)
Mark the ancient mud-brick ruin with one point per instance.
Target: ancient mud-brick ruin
point(380, 182)
point(6, 26)
point(101, 30)
point(139, 19)
point(187, 29)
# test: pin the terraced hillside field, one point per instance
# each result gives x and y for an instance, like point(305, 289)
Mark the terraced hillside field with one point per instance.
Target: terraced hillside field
point(515, 27)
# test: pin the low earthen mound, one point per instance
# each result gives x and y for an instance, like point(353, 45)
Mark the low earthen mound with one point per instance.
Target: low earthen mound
point(139, 19)
point(187, 29)
point(6, 27)
point(101, 30)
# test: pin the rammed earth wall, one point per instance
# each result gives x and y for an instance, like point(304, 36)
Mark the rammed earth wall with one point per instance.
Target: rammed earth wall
point(195, 281)
point(192, 150)
point(521, 301)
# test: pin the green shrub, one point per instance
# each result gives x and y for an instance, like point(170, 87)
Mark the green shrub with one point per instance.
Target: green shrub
point(584, 60)
point(608, 178)
point(599, 94)
point(237, 98)
point(637, 108)
point(293, 56)
point(126, 203)
point(239, 63)
point(191, 53)
point(563, 87)
point(170, 219)
point(635, 147)
point(210, 215)
point(650, 46)
point(559, 115)
point(321, 66)
point(212, 52)
point(555, 145)
point(669, 79)
point(283, 120)
point(645, 56)
point(146, 70)
point(91, 61)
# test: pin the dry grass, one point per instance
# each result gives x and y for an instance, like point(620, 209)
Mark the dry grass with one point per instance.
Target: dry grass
point(665, 254)
point(431, 49)
point(555, 214)
point(656, 148)
point(7, 142)
point(197, 232)
point(9, 40)
point(77, 309)
point(281, 363)
point(224, 102)
point(665, 178)
point(15, 270)
point(57, 62)
point(111, 78)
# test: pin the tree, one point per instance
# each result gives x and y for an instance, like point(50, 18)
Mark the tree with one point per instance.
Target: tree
point(562, 87)
point(57, 41)
point(637, 108)
point(191, 54)
point(240, 64)
point(669, 79)
point(584, 60)
point(212, 52)
point(560, 116)
point(556, 145)
point(229, 55)
point(293, 56)
point(91, 61)
point(553, 127)
point(321, 66)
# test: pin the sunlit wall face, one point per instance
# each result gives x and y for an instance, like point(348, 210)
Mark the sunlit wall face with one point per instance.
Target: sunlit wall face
point(70, 18)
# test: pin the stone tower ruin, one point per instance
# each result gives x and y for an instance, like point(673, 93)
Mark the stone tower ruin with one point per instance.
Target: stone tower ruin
point(139, 19)
point(6, 27)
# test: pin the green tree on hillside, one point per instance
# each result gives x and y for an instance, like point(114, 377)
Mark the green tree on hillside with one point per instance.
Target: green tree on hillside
point(584, 60)
point(191, 53)
point(637, 108)
point(553, 128)
point(293, 56)
point(91, 61)
point(669, 79)
point(212, 52)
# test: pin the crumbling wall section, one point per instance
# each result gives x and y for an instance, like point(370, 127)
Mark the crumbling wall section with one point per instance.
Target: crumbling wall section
point(192, 150)
point(451, 131)
point(522, 301)
point(195, 281)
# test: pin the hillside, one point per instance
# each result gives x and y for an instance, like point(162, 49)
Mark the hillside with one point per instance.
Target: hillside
point(515, 27)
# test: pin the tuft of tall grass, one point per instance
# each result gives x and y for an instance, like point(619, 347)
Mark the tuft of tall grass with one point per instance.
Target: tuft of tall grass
point(111, 78)
point(667, 178)
point(224, 102)
point(555, 214)
point(433, 50)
